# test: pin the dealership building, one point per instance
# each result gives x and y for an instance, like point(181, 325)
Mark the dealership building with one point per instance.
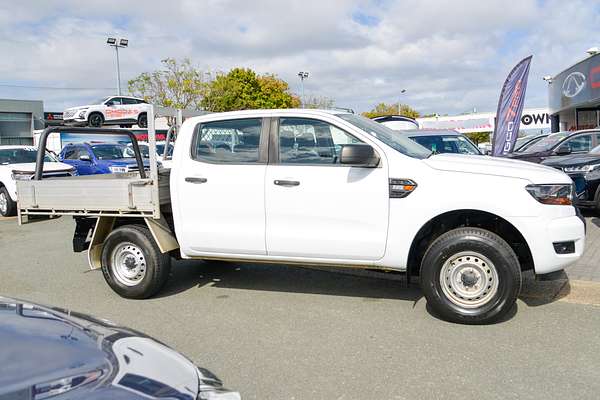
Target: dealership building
point(533, 122)
point(574, 96)
point(18, 120)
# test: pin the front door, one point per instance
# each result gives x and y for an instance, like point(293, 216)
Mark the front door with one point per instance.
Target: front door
point(220, 190)
point(317, 207)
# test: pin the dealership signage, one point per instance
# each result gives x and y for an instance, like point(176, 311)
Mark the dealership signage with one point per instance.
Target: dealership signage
point(578, 86)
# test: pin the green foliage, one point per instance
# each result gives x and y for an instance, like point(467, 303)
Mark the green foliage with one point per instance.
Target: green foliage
point(479, 137)
point(391, 109)
point(178, 85)
point(243, 89)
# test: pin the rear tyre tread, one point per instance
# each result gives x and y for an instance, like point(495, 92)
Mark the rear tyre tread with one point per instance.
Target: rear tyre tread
point(11, 206)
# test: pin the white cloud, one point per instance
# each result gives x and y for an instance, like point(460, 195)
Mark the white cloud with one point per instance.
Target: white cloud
point(451, 56)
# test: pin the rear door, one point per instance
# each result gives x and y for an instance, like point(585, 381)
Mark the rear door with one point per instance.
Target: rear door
point(317, 207)
point(220, 189)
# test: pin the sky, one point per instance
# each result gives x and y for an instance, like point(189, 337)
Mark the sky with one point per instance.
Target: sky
point(450, 56)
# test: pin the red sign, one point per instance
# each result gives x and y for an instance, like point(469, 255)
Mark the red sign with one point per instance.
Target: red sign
point(595, 77)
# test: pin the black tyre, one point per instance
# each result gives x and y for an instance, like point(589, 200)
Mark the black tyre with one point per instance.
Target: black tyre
point(132, 263)
point(8, 207)
point(95, 120)
point(470, 276)
point(143, 120)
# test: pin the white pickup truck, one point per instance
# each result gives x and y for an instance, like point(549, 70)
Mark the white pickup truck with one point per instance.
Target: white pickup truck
point(314, 187)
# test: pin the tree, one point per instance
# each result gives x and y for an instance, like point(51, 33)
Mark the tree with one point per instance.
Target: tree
point(391, 109)
point(178, 85)
point(243, 89)
point(479, 137)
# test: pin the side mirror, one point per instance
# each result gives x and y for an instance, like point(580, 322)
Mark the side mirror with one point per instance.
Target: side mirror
point(563, 150)
point(85, 158)
point(359, 155)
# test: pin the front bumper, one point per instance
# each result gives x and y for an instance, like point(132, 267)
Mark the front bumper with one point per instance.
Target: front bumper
point(75, 121)
point(542, 233)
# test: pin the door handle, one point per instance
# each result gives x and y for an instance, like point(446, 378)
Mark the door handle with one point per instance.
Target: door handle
point(192, 179)
point(286, 183)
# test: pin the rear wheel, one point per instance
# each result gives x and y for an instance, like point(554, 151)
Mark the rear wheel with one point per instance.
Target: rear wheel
point(132, 263)
point(470, 276)
point(8, 207)
point(95, 120)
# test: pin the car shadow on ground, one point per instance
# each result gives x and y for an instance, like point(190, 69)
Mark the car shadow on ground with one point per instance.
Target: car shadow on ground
point(190, 274)
point(536, 293)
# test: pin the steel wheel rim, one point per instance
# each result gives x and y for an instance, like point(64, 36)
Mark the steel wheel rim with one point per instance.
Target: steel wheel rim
point(3, 203)
point(128, 264)
point(469, 279)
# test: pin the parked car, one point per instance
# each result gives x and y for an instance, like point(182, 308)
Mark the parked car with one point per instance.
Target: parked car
point(18, 162)
point(100, 158)
point(525, 142)
point(559, 144)
point(584, 170)
point(327, 188)
point(113, 110)
point(49, 352)
point(443, 141)
point(160, 152)
point(397, 122)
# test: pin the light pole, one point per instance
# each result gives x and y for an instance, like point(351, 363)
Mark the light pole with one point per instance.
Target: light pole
point(303, 76)
point(111, 41)
point(401, 92)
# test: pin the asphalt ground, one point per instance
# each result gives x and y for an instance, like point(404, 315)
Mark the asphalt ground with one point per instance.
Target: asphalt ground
point(279, 332)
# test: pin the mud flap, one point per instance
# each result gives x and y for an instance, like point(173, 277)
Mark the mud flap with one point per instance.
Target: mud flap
point(162, 234)
point(104, 226)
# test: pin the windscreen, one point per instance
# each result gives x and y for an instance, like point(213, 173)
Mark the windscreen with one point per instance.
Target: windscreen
point(547, 143)
point(398, 142)
point(22, 155)
point(111, 151)
point(447, 144)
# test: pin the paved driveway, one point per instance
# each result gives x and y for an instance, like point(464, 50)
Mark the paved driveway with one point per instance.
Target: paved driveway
point(276, 332)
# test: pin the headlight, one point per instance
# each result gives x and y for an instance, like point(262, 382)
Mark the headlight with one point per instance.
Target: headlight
point(115, 169)
point(211, 388)
point(561, 195)
point(82, 114)
point(583, 168)
point(60, 386)
point(21, 176)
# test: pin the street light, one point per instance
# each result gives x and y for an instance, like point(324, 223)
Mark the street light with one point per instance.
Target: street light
point(401, 92)
point(548, 79)
point(592, 51)
point(121, 43)
point(303, 76)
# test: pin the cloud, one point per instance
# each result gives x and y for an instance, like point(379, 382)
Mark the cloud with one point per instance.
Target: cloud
point(450, 56)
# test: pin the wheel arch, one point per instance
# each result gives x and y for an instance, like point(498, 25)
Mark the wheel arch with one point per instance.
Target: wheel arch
point(449, 220)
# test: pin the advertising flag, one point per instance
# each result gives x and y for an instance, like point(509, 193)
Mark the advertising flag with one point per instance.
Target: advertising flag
point(510, 107)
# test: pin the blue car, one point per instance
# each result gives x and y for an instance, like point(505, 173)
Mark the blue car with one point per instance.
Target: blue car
point(101, 158)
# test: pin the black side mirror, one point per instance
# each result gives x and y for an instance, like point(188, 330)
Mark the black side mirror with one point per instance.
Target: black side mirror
point(359, 155)
point(563, 150)
point(85, 158)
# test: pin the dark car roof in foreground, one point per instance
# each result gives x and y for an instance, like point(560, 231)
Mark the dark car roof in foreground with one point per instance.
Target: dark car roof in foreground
point(45, 350)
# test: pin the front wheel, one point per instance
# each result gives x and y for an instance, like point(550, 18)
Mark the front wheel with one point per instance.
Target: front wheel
point(132, 263)
point(470, 276)
point(95, 120)
point(143, 121)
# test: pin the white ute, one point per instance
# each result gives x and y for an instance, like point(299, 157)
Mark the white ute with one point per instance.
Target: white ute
point(18, 162)
point(314, 187)
point(113, 110)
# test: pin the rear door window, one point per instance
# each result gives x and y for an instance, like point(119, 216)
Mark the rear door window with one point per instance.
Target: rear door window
point(230, 141)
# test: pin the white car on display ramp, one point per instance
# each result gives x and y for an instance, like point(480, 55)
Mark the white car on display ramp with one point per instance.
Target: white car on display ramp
point(125, 111)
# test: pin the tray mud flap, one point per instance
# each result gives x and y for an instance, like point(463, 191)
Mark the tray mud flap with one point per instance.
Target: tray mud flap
point(104, 226)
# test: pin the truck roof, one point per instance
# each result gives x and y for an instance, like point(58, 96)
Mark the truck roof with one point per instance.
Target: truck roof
point(269, 112)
